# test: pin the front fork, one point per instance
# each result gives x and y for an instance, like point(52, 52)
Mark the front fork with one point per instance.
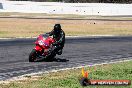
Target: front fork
point(38, 48)
point(41, 51)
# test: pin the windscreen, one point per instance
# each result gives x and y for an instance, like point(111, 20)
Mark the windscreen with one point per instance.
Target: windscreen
point(45, 36)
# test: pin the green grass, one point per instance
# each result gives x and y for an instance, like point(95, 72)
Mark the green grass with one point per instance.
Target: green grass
point(19, 27)
point(72, 16)
point(69, 78)
point(6, 14)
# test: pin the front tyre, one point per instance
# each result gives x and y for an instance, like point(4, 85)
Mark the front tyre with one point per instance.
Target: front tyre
point(33, 56)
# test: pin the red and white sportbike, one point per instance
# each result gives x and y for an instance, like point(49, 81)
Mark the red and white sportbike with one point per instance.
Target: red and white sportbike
point(44, 50)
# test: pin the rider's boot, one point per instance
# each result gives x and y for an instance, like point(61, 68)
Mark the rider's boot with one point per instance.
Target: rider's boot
point(59, 52)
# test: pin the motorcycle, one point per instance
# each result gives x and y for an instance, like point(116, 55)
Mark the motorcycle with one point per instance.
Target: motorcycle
point(44, 49)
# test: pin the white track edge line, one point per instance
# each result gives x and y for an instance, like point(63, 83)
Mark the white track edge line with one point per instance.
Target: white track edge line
point(81, 36)
point(64, 69)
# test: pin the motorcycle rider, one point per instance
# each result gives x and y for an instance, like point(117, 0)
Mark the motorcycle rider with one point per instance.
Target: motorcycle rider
point(59, 35)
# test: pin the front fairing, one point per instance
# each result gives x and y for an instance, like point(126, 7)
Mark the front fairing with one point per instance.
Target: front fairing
point(44, 41)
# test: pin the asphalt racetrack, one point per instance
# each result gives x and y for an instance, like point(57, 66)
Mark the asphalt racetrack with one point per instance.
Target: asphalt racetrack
point(77, 52)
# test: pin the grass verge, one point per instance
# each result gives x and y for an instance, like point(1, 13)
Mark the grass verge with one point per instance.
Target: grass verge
point(71, 16)
point(20, 27)
point(69, 78)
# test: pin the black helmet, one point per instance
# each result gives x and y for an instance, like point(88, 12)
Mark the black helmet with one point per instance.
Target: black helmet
point(57, 28)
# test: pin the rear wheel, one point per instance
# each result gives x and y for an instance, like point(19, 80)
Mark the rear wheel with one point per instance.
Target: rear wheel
point(51, 57)
point(33, 56)
point(53, 54)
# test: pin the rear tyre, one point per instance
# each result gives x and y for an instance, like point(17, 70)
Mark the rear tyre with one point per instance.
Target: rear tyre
point(33, 56)
point(51, 57)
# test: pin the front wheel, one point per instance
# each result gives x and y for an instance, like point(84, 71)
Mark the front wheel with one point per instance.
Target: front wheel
point(33, 56)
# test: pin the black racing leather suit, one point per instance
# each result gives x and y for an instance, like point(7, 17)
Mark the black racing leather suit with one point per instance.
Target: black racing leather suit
point(60, 39)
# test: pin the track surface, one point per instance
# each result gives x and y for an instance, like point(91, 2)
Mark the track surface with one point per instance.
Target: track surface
point(77, 52)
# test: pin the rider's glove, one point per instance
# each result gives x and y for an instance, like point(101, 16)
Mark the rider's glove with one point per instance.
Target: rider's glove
point(54, 44)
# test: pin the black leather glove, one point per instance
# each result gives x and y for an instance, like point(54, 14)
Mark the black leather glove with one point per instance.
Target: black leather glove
point(47, 33)
point(54, 44)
